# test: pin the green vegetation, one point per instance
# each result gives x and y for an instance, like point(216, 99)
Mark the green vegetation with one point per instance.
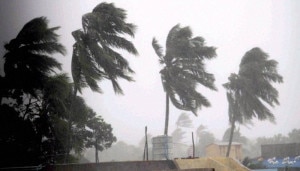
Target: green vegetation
point(94, 55)
point(35, 104)
point(247, 90)
point(183, 70)
point(43, 120)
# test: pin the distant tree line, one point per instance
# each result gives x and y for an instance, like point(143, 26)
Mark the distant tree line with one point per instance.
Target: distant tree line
point(121, 151)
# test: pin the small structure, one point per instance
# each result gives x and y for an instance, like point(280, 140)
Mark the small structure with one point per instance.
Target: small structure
point(220, 149)
point(162, 147)
point(280, 150)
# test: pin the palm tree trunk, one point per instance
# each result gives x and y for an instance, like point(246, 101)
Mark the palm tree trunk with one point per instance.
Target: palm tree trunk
point(96, 152)
point(167, 114)
point(230, 138)
point(67, 158)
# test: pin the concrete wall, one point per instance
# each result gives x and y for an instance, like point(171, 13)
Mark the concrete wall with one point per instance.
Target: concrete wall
point(280, 150)
point(199, 164)
point(117, 166)
point(215, 150)
point(189, 170)
point(218, 163)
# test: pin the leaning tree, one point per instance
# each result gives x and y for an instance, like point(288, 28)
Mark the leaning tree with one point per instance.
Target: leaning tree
point(183, 70)
point(250, 92)
point(95, 56)
point(30, 70)
point(95, 51)
point(29, 58)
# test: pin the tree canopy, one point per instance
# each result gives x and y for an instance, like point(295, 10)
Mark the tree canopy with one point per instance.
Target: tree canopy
point(251, 90)
point(95, 56)
point(35, 102)
point(183, 70)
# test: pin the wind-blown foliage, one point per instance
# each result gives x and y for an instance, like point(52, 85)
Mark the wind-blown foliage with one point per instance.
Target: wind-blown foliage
point(94, 54)
point(32, 92)
point(184, 121)
point(43, 120)
point(183, 69)
point(251, 90)
point(28, 61)
point(238, 137)
point(35, 102)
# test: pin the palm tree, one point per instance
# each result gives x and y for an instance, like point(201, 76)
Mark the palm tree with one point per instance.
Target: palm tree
point(28, 61)
point(95, 56)
point(29, 74)
point(184, 70)
point(247, 90)
point(94, 52)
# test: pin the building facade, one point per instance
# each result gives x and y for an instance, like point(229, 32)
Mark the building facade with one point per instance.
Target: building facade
point(281, 156)
point(280, 150)
point(220, 149)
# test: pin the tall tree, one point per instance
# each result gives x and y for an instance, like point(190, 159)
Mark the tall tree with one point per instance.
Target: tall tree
point(34, 112)
point(28, 61)
point(183, 70)
point(94, 54)
point(247, 90)
point(101, 136)
point(28, 66)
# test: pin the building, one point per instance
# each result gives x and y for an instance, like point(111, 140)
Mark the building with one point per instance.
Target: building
point(280, 150)
point(281, 156)
point(220, 149)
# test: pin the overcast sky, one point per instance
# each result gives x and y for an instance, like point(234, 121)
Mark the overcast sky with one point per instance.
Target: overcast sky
point(234, 27)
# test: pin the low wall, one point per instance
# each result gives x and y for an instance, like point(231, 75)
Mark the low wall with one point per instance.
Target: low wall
point(117, 166)
point(200, 164)
point(218, 163)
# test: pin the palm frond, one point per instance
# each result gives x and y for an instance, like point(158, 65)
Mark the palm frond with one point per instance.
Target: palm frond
point(171, 36)
point(251, 89)
point(120, 42)
point(97, 43)
point(184, 69)
point(158, 49)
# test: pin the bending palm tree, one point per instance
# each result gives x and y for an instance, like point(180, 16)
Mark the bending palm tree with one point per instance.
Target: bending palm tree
point(184, 70)
point(247, 90)
point(28, 62)
point(29, 68)
point(94, 56)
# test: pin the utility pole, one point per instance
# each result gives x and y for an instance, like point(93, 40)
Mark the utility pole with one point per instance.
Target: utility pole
point(193, 145)
point(146, 146)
